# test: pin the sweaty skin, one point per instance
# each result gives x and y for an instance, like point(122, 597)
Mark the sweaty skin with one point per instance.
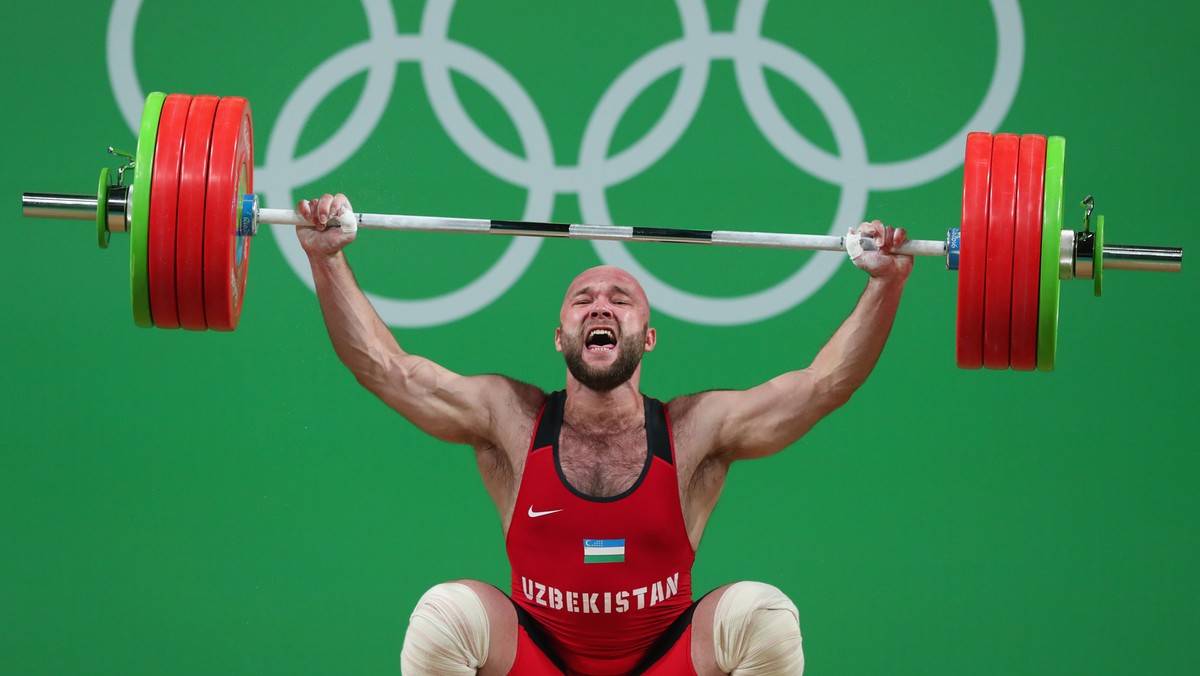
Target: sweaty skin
point(604, 329)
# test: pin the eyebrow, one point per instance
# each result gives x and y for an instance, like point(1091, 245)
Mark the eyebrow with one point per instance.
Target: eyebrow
point(616, 288)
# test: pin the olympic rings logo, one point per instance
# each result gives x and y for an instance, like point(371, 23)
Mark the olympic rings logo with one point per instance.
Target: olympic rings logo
point(692, 55)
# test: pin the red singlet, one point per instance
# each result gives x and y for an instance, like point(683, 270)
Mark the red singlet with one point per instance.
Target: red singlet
point(603, 578)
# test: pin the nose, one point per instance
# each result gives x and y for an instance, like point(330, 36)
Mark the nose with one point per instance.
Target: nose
point(601, 312)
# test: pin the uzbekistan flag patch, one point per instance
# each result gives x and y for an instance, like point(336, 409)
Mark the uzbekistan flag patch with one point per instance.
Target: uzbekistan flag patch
point(604, 551)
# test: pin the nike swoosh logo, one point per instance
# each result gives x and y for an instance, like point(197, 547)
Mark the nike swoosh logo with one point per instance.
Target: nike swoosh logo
point(535, 515)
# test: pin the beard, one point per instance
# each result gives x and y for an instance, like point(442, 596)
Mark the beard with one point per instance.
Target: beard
point(630, 349)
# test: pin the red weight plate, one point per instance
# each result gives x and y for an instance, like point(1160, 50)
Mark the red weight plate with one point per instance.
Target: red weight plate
point(164, 200)
point(189, 236)
point(1002, 217)
point(973, 257)
point(1027, 252)
point(225, 254)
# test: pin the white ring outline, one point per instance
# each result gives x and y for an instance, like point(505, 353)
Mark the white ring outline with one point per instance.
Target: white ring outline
point(593, 176)
point(812, 274)
point(519, 253)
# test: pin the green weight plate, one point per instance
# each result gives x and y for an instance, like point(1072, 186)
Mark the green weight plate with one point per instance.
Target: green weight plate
point(139, 220)
point(1098, 257)
point(1052, 219)
point(102, 233)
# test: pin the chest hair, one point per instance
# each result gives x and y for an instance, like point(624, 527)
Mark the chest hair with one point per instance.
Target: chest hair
point(602, 464)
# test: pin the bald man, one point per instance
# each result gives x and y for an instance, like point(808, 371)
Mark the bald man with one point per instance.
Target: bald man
point(603, 493)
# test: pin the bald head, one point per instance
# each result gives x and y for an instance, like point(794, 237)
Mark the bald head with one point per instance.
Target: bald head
point(612, 282)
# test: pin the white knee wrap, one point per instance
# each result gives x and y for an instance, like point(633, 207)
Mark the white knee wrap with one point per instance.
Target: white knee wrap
point(447, 633)
point(756, 632)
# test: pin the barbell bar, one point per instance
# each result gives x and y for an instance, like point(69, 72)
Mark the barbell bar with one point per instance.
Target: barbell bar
point(83, 207)
point(191, 213)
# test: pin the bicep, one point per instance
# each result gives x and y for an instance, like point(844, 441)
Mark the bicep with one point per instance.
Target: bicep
point(760, 421)
point(449, 406)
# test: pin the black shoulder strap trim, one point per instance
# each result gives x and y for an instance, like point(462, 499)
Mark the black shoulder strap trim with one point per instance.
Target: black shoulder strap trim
point(658, 435)
point(550, 422)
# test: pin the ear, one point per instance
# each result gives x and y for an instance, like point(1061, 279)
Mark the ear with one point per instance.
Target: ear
point(558, 338)
point(651, 339)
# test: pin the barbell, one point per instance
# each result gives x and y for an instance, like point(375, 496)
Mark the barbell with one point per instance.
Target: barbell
point(191, 212)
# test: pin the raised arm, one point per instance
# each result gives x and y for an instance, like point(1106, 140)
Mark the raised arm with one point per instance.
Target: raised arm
point(476, 410)
point(734, 425)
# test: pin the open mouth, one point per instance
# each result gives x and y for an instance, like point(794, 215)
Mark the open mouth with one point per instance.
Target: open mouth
point(600, 339)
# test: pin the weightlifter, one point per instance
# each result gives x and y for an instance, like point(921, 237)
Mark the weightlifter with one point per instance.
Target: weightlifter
point(603, 493)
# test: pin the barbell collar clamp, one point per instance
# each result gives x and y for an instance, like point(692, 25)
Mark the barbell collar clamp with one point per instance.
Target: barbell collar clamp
point(1085, 252)
point(1066, 255)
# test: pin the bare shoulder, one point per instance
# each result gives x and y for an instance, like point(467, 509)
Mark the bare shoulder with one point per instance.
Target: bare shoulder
point(696, 421)
point(513, 407)
point(700, 408)
point(507, 397)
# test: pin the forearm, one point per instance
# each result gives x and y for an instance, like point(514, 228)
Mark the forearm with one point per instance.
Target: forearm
point(843, 365)
point(360, 338)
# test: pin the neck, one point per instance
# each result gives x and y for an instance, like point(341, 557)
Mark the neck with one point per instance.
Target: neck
point(586, 408)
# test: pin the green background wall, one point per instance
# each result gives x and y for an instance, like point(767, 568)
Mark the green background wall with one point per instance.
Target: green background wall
point(181, 503)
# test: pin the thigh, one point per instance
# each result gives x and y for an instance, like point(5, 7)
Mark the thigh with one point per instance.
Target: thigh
point(511, 649)
point(502, 628)
point(703, 654)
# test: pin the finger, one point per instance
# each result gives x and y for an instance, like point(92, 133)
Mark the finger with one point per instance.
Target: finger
point(340, 205)
point(896, 239)
point(324, 208)
point(342, 215)
point(308, 209)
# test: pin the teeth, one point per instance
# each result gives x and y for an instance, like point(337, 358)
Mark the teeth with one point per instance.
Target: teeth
point(612, 341)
